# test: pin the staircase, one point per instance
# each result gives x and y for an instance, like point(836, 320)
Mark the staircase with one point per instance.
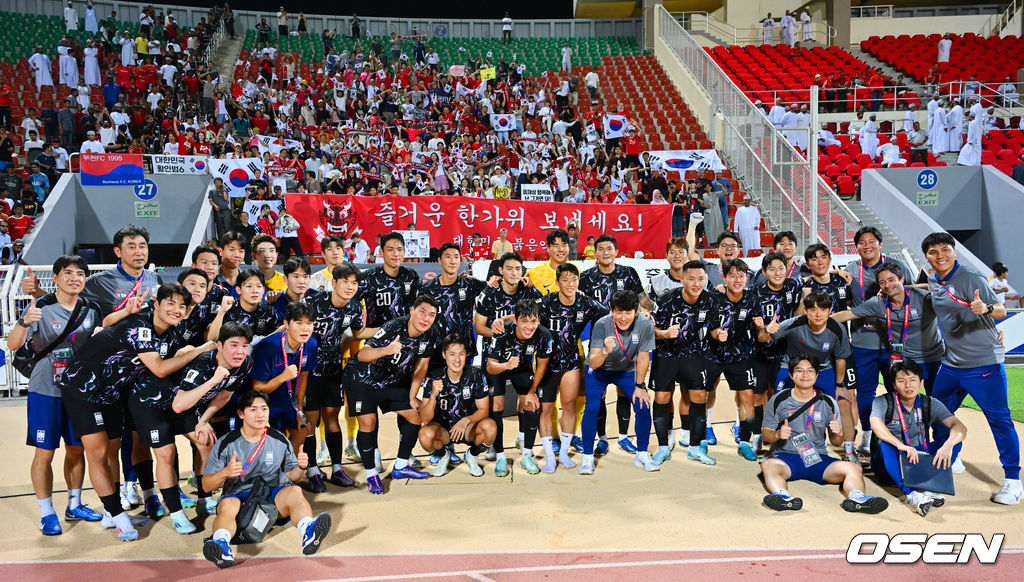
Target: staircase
point(888, 70)
point(225, 57)
point(892, 245)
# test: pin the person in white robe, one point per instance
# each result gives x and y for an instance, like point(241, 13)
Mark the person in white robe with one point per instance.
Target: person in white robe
point(68, 66)
point(890, 153)
point(786, 24)
point(1008, 92)
point(84, 93)
point(869, 137)
point(128, 52)
point(41, 67)
point(976, 107)
point(91, 23)
point(803, 120)
point(791, 119)
point(855, 126)
point(748, 225)
point(955, 128)
point(776, 113)
point(989, 120)
point(70, 17)
point(826, 137)
point(909, 118)
point(970, 155)
point(938, 131)
point(769, 29)
point(945, 47)
point(805, 26)
point(92, 67)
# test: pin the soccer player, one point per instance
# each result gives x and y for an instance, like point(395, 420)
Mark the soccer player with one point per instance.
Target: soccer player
point(870, 350)
point(281, 365)
point(232, 256)
point(620, 351)
point(684, 355)
point(796, 422)
point(387, 375)
point(785, 243)
point(494, 309)
point(734, 335)
point(824, 338)
point(268, 456)
point(207, 259)
point(207, 385)
point(910, 415)
point(728, 250)
point(543, 276)
point(97, 381)
point(677, 251)
point(202, 310)
point(520, 354)
point(296, 279)
point(250, 309)
point(779, 296)
point(966, 309)
point(565, 314)
point(389, 290)
point(264, 250)
point(456, 297)
point(339, 319)
point(332, 247)
point(48, 420)
point(456, 407)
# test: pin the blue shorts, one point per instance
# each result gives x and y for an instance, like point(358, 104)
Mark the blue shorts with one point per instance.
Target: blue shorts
point(48, 422)
point(815, 473)
point(243, 495)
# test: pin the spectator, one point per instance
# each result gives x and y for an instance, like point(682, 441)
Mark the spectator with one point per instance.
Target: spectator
point(506, 28)
point(18, 225)
point(14, 254)
point(287, 229)
point(748, 225)
point(40, 182)
point(360, 250)
point(999, 284)
point(944, 48)
point(918, 140)
point(501, 246)
point(220, 201)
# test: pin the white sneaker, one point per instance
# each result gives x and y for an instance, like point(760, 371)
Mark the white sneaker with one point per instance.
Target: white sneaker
point(587, 465)
point(958, 465)
point(1011, 492)
point(643, 459)
point(921, 503)
point(865, 444)
point(125, 504)
point(352, 453)
point(490, 454)
point(323, 456)
point(938, 500)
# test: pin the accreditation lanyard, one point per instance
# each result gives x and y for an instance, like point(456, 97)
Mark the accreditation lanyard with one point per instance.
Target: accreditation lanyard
point(941, 283)
point(622, 347)
point(298, 365)
point(132, 291)
point(903, 422)
point(906, 318)
point(791, 269)
point(860, 279)
point(256, 451)
point(810, 413)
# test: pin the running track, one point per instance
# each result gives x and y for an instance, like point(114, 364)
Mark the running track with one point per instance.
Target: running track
point(790, 564)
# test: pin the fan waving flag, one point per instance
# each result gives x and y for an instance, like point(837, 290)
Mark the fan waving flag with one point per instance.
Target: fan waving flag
point(615, 126)
point(236, 173)
point(503, 121)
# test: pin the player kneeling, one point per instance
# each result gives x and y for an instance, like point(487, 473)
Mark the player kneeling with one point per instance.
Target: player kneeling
point(455, 408)
point(267, 455)
point(796, 422)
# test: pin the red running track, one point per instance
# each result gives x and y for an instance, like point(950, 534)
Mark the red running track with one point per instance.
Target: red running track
point(754, 564)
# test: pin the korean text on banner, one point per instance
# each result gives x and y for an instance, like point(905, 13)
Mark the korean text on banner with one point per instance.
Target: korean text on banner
point(112, 170)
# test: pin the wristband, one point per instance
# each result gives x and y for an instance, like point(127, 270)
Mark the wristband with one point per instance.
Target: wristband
point(641, 385)
point(991, 308)
point(21, 322)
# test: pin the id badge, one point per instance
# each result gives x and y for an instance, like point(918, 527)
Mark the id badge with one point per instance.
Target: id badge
point(59, 361)
point(896, 352)
point(805, 448)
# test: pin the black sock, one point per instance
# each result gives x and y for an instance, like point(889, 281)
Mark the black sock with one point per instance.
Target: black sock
point(367, 444)
point(309, 447)
point(684, 421)
point(758, 420)
point(336, 445)
point(622, 411)
point(200, 492)
point(475, 450)
point(144, 470)
point(112, 503)
point(176, 465)
point(698, 422)
point(528, 422)
point(499, 438)
point(602, 419)
point(746, 426)
point(409, 432)
point(662, 421)
point(171, 499)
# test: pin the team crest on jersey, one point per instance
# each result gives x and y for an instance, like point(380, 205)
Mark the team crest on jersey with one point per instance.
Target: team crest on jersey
point(620, 284)
point(191, 376)
point(530, 350)
point(743, 314)
point(913, 313)
point(579, 316)
point(634, 338)
point(145, 334)
point(462, 294)
point(408, 287)
point(825, 346)
point(56, 325)
point(268, 460)
point(952, 289)
point(842, 293)
point(163, 350)
point(422, 347)
point(702, 316)
point(466, 392)
point(789, 296)
point(346, 321)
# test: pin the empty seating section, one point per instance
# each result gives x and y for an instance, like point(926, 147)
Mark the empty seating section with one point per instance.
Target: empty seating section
point(988, 60)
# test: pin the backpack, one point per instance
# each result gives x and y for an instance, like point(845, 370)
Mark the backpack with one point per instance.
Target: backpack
point(785, 394)
point(890, 410)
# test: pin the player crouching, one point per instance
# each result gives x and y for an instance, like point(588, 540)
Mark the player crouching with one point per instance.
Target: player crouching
point(257, 452)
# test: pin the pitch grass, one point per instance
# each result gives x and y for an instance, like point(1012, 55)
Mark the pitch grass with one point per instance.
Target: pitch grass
point(1015, 384)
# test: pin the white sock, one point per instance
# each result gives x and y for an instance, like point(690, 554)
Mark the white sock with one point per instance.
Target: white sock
point(376, 456)
point(371, 472)
point(857, 495)
point(663, 448)
point(603, 438)
point(549, 447)
point(400, 464)
point(74, 498)
point(179, 514)
point(310, 472)
point(849, 446)
point(303, 523)
point(223, 535)
point(783, 493)
point(470, 455)
point(123, 522)
point(522, 437)
point(501, 455)
point(46, 506)
point(588, 458)
point(147, 493)
point(565, 441)
point(336, 467)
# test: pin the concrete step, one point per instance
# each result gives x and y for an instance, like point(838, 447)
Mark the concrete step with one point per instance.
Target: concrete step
point(887, 69)
point(891, 244)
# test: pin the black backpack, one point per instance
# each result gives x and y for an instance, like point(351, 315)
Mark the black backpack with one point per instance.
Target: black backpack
point(890, 410)
point(785, 394)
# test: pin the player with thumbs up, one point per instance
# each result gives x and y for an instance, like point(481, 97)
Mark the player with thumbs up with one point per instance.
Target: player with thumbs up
point(256, 451)
point(796, 424)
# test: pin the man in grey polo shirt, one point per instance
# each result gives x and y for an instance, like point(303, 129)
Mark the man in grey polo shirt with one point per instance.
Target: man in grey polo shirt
point(966, 309)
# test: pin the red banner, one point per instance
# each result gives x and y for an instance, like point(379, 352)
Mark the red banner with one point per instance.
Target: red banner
point(456, 219)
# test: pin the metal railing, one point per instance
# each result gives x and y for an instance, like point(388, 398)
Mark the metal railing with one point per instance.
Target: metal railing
point(700, 21)
point(883, 11)
point(780, 180)
point(997, 22)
